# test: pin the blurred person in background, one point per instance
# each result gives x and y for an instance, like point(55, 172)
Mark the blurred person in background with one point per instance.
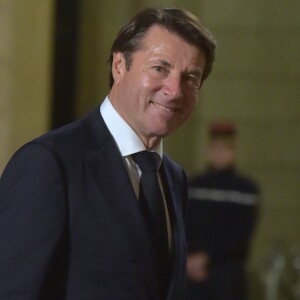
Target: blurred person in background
point(222, 213)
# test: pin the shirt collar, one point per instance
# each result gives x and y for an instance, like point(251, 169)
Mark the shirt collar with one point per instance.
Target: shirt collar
point(125, 137)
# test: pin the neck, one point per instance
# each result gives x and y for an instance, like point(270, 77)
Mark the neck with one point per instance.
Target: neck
point(150, 142)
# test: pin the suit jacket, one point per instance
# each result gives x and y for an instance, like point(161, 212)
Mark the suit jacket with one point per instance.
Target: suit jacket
point(70, 224)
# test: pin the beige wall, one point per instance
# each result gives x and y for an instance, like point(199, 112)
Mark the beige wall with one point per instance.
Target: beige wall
point(25, 77)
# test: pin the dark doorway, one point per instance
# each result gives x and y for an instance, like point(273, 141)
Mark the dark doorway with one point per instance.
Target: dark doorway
point(66, 26)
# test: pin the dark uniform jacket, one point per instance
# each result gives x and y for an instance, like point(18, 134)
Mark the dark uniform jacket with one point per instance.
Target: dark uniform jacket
point(222, 213)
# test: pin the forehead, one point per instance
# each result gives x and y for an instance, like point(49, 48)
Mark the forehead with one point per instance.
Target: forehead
point(159, 39)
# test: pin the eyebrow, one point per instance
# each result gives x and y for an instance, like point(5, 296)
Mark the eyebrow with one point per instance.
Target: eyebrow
point(163, 62)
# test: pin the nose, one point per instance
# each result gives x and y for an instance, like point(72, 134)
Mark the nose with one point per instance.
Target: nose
point(172, 87)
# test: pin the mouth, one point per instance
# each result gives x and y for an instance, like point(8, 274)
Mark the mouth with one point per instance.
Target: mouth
point(168, 109)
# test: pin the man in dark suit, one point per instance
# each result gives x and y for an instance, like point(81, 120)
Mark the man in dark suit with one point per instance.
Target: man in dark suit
point(71, 223)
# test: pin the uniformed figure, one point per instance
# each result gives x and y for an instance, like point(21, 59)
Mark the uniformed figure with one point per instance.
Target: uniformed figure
point(221, 217)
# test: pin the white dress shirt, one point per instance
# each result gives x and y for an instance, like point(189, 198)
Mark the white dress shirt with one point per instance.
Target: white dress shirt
point(128, 143)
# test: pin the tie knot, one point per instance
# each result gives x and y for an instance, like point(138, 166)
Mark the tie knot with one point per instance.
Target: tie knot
point(147, 161)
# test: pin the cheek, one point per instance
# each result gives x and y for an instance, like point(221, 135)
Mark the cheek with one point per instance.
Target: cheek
point(150, 84)
point(190, 103)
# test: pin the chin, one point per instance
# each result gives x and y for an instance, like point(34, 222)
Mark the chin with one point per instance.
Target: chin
point(162, 129)
point(158, 132)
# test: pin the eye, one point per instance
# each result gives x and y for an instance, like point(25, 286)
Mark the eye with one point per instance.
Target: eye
point(194, 81)
point(159, 69)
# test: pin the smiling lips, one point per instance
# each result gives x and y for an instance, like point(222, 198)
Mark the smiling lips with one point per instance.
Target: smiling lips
point(169, 109)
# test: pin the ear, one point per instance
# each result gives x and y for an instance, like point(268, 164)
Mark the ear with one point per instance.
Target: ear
point(118, 67)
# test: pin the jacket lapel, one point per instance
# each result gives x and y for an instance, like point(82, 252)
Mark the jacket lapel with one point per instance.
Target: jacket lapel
point(109, 172)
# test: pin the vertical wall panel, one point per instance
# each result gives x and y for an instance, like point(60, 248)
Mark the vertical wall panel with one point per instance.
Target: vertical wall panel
point(25, 67)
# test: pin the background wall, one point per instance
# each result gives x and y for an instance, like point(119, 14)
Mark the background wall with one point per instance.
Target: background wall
point(25, 72)
point(254, 83)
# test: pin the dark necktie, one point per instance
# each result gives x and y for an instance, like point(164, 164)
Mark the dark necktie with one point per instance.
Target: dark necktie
point(152, 205)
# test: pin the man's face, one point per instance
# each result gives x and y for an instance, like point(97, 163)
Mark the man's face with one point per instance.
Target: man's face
point(160, 89)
